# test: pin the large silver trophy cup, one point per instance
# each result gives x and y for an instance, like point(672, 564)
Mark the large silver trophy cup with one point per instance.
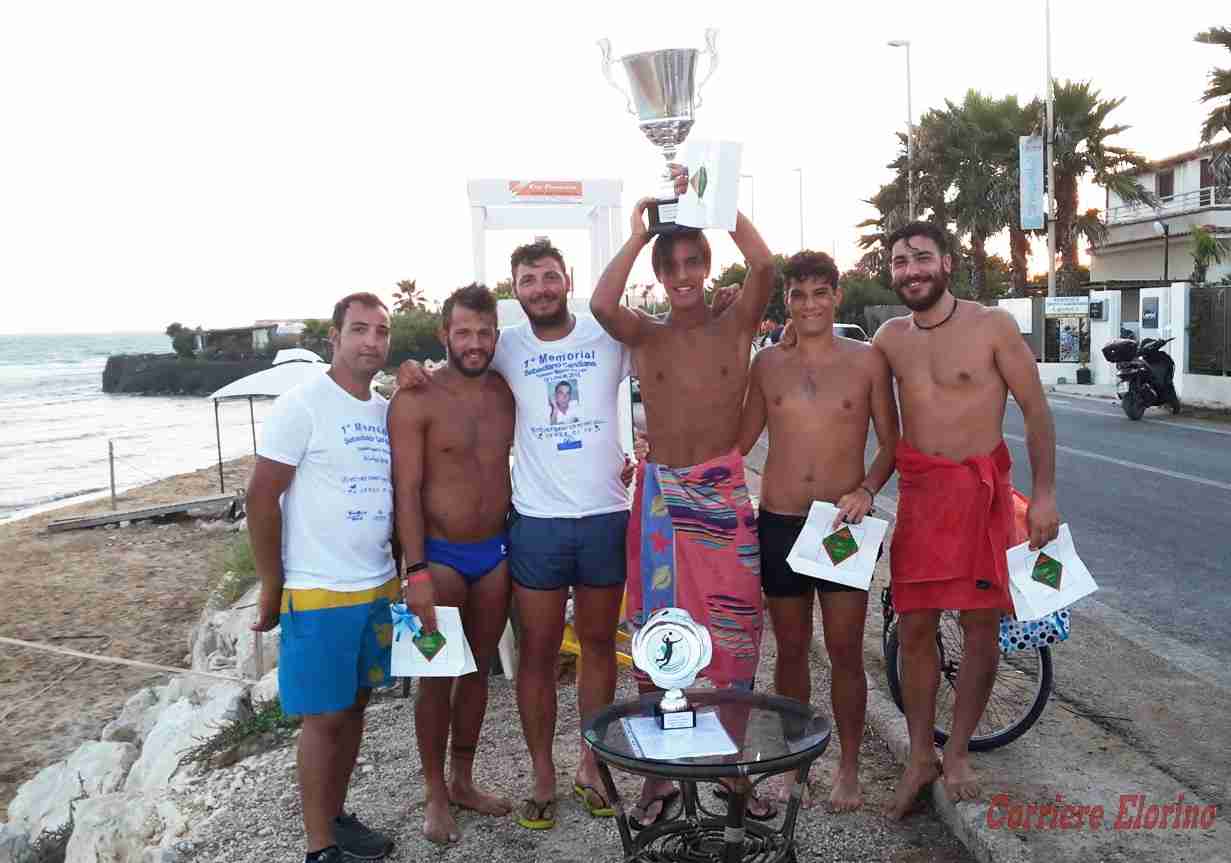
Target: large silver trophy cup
point(663, 95)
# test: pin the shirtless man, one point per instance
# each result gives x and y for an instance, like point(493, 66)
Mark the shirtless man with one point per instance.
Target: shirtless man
point(955, 363)
point(818, 397)
point(450, 444)
point(701, 553)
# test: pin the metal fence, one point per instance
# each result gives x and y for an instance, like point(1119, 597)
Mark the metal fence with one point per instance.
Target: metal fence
point(1184, 202)
point(1209, 329)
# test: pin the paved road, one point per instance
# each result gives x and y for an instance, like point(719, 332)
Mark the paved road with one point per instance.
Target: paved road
point(1149, 504)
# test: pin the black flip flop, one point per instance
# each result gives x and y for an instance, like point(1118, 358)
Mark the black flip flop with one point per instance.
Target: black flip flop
point(723, 794)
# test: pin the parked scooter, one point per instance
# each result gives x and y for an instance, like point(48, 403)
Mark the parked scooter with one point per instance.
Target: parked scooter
point(1147, 373)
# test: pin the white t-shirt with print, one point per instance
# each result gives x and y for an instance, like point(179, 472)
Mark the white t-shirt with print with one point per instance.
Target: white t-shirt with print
point(337, 514)
point(568, 468)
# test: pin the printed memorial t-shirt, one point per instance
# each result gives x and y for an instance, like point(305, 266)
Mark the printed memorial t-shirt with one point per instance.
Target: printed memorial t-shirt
point(337, 514)
point(566, 448)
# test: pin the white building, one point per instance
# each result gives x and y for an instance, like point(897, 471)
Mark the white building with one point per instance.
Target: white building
point(1138, 248)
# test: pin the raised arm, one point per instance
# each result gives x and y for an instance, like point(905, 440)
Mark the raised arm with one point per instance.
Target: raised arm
point(270, 479)
point(1017, 366)
point(407, 439)
point(624, 324)
point(759, 282)
point(752, 420)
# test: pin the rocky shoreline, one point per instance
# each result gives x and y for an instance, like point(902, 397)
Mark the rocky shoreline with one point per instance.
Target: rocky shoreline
point(168, 374)
point(125, 790)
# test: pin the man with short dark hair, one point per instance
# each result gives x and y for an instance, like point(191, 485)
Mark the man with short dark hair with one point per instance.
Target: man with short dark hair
point(700, 551)
point(320, 517)
point(818, 397)
point(451, 472)
point(955, 362)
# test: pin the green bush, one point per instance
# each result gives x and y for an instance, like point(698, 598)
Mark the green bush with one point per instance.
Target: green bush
point(238, 570)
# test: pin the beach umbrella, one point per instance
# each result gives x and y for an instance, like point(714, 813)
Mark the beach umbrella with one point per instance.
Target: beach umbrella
point(291, 367)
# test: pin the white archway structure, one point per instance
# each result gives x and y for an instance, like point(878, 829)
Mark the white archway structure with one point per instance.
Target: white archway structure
point(534, 205)
point(530, 205)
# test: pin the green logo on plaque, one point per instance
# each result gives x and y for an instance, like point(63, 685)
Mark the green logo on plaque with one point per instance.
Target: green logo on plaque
point(840, 545)
point(699, 181)
point(1047, 570)
point(429, 644)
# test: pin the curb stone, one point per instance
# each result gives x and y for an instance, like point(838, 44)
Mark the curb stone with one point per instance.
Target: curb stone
point(968, 822)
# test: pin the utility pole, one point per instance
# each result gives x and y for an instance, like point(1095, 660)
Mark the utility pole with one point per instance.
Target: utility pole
point(1051, 162)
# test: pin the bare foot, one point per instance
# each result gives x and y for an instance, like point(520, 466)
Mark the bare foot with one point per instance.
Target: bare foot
point(438, 823)
point(961, 783)
point(847, 795)
point(913, 782)
point(469, 797)
point(786, 785)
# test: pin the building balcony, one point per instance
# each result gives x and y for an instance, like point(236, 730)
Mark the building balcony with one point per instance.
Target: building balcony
point(1173, 205)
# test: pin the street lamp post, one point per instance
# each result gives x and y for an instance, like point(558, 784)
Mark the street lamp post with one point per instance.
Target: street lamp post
point(910, 132)
point(752, 195)
point(1051, 159)
point(1164, 230)
point(800, 171)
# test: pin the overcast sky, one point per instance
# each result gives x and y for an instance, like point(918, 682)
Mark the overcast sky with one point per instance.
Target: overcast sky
point(214, 163)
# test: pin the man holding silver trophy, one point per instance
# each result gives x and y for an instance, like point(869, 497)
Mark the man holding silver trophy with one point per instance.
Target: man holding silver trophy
point(699, 552)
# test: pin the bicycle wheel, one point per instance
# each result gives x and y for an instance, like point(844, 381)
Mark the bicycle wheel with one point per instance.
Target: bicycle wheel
point(1023, 685)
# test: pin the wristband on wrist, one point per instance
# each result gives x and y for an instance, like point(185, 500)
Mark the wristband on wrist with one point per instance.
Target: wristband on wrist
point(871, 494)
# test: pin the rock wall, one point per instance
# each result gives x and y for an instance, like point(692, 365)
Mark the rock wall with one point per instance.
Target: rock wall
point(167, 374)
point(130, 794)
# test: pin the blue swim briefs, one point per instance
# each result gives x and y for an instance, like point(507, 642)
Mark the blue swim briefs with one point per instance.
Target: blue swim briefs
point(472, 559)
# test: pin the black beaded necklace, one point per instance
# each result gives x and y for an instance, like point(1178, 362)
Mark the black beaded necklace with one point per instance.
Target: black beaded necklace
point(952, 312)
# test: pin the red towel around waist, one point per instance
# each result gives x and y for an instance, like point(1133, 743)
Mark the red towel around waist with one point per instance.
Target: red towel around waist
point(955, 519)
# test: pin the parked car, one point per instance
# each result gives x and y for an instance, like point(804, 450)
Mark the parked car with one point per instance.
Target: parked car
point(850, 331)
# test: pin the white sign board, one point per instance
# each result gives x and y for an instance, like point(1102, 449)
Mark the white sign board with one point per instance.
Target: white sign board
point(1022, 310)
point(1030, 160)
point(712, 197)
point(1066, 307)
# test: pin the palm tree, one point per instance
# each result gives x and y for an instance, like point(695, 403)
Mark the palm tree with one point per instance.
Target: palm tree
point(315, 336)
point(891, 204)
point(1207, 249)
point(1081, 149)
point(407, 297)
point(981, 150)
point(1219, 119)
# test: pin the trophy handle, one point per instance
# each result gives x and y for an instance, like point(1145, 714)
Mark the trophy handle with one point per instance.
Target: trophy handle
point(605, 46)
point(711, 36)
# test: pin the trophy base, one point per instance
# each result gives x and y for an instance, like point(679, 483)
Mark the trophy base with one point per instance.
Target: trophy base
point(662, 217)
point(673, 712)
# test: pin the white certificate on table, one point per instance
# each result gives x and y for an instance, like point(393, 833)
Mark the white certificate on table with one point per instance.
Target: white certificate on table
point(708, 738)
point(1047, 579)
point(454, 659)
point(809, 555)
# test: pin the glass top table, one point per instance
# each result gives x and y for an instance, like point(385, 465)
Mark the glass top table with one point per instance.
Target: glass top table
point(769, 734)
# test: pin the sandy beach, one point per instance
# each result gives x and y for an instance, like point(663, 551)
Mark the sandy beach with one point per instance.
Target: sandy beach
point(132, 592)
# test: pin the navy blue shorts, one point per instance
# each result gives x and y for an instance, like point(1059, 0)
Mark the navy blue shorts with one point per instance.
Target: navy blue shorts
point(552, 553)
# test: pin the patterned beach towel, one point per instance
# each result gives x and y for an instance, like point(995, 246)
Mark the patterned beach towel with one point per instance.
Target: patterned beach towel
point(692, 544)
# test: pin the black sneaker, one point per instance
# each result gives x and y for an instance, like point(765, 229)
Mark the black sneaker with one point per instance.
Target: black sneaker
point(359, 841)
point(332, 854)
